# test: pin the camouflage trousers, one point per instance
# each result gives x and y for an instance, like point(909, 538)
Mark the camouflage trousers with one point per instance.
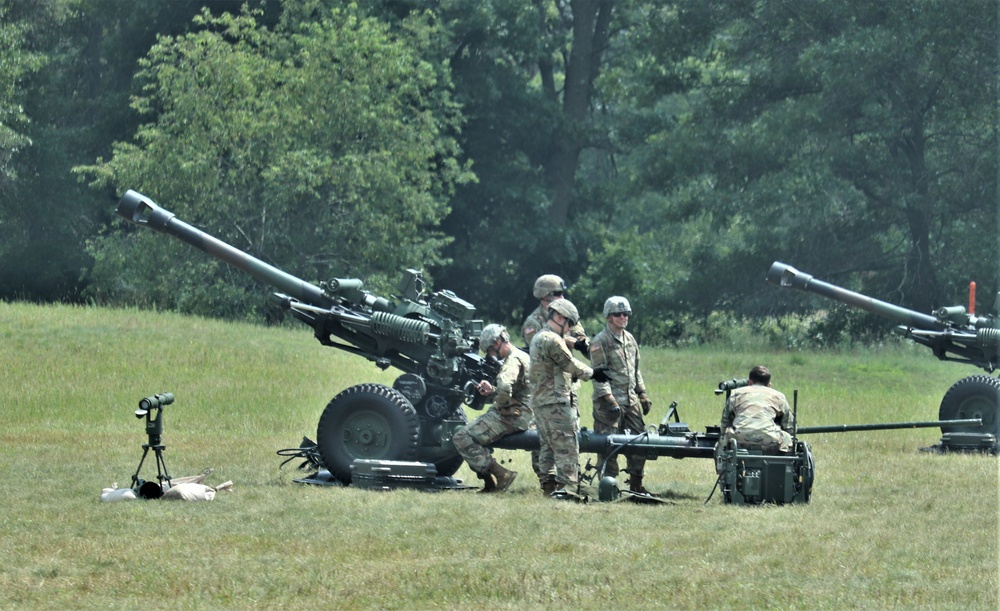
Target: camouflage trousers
point(558, 428)
point(471, 439)
point(770, 442)
point(629, 419)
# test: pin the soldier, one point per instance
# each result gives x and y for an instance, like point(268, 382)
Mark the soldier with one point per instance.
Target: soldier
point(620, 403)
point(509, 413)
point(758, 416)
point(547, 289)
point(552, 374)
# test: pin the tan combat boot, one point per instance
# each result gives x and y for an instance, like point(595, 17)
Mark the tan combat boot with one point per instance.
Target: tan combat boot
point(504, 477)
point(489, 482)
point(548, 487)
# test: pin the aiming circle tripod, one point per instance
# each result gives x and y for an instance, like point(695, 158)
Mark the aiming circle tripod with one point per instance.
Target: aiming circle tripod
point(154, 430)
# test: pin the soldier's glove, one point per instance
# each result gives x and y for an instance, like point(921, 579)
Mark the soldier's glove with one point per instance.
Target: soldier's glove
point(583, 346)
point(601, 374)
point(610, 407)
point(645, 403)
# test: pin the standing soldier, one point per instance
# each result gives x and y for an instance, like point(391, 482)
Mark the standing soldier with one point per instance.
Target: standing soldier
point(547, 289)
point(553, 370)
point(621, 402)
point(509, 413)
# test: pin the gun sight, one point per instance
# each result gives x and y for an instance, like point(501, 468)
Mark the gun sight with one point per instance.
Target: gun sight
point(153, 402)
point(733, 384)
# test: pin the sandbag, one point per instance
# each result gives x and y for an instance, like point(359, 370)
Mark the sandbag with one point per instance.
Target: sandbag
point(113, 495)
point(189, 491)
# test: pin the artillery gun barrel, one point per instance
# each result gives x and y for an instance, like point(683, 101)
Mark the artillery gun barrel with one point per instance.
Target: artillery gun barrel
point(693, 445)
point(646, 444)
point(845, 428)
point(139, 209)
point(787, 276)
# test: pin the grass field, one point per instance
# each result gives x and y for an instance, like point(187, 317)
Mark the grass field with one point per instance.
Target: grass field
point(888, 527)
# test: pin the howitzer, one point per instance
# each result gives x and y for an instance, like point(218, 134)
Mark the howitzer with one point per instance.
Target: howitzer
point(953, 334)
point(431, 337)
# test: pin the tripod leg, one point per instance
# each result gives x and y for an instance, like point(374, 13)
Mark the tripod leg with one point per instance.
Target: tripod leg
point(161, 468)
point(135, 478)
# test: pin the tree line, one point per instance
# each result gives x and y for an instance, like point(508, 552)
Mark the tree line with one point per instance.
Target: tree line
point(664, 151)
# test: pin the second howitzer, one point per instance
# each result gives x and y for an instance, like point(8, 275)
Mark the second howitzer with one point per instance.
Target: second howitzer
point(432, 338)
point(953, 334)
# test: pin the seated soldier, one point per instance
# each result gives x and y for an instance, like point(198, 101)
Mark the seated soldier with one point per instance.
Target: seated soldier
point(757, 416)
point(508, 414)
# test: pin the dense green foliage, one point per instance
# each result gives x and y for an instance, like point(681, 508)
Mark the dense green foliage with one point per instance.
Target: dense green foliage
point(667, 151)
point(292, 147)
point(16, 64)
point(82, 56)
point(844, 137)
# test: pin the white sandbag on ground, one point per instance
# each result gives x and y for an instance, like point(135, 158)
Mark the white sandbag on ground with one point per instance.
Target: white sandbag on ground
point(113, 495)
point(189, 491)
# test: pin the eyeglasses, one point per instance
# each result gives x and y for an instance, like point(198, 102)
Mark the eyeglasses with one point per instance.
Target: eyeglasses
point(556, 294)
point(620, 314)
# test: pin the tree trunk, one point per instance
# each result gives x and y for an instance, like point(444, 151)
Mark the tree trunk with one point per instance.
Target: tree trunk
point(591, 22)
point(917, 210)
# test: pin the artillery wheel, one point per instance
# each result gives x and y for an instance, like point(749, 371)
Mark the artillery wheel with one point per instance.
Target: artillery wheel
point(809, 472)
point(368, 421)
point(973, 397)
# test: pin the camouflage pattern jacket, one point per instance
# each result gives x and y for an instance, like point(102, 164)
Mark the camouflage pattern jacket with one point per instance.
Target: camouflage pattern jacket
point(758, 408)
point(512, 388)
point(622, 356)
point(553, 369)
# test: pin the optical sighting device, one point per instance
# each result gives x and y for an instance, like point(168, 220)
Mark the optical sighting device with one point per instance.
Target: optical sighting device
point(151, 408)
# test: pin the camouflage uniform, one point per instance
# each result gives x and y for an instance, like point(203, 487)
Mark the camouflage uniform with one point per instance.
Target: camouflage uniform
point(553, 402)
point(759, 418)
point(621, 355)
point(535, 322)
point(510, 413)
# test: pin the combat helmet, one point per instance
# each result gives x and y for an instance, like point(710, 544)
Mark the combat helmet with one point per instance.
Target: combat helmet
point(566, 308)
point(491, 334)
point(549, 283)
point(615, 305)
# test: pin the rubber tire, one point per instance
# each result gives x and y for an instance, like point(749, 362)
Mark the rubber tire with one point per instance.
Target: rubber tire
point(976, 396)
point(367, 421)
point(807, 482)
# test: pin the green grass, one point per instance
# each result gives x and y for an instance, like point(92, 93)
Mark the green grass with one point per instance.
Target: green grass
point(889, 526)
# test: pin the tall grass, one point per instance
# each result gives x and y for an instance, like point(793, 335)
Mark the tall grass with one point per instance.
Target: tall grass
point(889, 526)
